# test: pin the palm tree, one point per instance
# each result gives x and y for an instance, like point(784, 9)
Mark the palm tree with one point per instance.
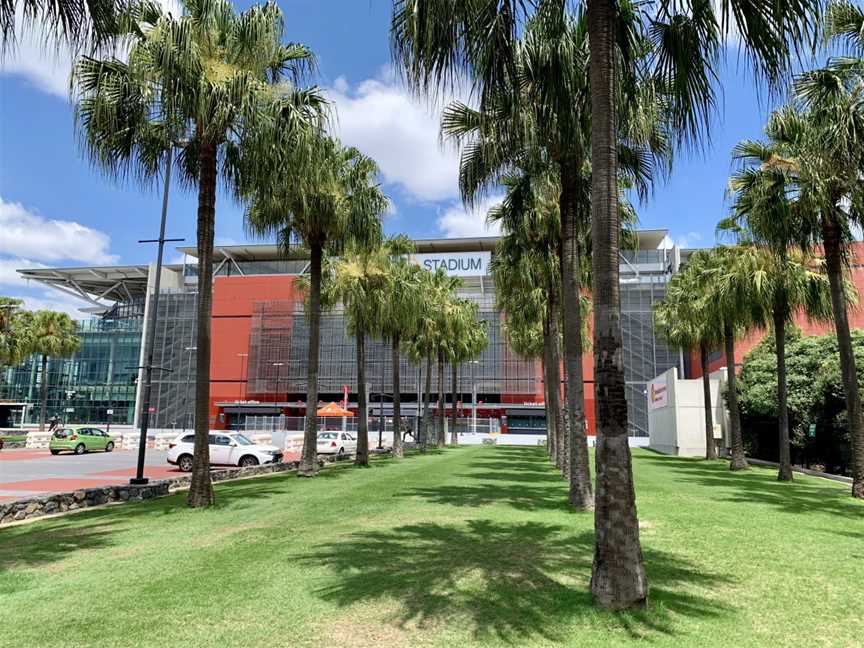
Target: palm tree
point(66, 23)
point(52, 335)
point(786, 281)
point(435, 44)
point(15, 329)
point(335, 203)
point(400, 318)
point(362, 279)
point(812, 143)
point(466, 339)
point(210, 84)
point(679, 319)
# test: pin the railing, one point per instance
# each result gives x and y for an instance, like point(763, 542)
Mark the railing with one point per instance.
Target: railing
point(296, 424)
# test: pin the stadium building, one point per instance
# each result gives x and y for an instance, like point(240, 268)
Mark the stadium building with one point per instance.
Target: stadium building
point(260, 345)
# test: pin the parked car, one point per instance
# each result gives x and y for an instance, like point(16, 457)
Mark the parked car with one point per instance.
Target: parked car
point(80, 439)
point(338, 443)
point(226, 449)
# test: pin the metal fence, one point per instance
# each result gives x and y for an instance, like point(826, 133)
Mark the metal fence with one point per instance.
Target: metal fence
point(295, 424)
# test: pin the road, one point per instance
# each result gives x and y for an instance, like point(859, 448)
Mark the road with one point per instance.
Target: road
point(24, 473)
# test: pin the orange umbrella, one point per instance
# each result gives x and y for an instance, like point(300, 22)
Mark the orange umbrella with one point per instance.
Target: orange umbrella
point(332, 409)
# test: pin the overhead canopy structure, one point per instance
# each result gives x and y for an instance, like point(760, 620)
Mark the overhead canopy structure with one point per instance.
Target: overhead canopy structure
point(332, 409)
point(98, 286)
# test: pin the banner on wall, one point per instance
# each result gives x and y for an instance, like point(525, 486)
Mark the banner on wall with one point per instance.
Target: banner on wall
point(658, 396)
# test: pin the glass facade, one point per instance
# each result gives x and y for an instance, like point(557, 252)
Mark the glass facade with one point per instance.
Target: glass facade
point(102, 375)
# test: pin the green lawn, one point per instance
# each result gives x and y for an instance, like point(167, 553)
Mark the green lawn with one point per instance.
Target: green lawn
point(468, 547)
point(14, 438)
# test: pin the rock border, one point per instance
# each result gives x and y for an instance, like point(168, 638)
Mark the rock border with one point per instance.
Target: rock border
point(51, 505)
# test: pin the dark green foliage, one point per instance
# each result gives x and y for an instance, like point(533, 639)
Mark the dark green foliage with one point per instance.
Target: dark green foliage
point(815, 396)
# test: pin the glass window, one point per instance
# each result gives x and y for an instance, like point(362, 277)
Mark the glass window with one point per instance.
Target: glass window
point(242, 440)
point(327, 436)
point(189, 438)
point(222, 440)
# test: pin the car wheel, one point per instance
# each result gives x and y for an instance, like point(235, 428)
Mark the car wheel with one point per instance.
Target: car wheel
point(80, 449)
point(109, 447)
point(54, 452)
point(248, 461)
point(184, 462)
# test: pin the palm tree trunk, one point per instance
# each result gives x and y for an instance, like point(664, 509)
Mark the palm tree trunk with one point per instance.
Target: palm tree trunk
point(397, 401)
point(618, 578)
point(739, 461)
point(553, 378)
point(834, 267)
point(580, 496)
point(454, 436)
point(362, 456)
point(441, 437)
point(551, 434)
point(785, 453)
point(309, 458)
point(201, 488)
point(43, 394)
point(427, 412)
point(710, 446)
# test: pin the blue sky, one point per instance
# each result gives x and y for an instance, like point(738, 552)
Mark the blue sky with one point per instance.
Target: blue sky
point(56, 210)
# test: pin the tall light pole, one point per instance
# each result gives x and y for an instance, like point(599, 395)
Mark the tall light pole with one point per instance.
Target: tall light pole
point(279, 366)
point(139, 478)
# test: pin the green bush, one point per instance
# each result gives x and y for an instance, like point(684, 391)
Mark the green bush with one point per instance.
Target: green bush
point(815, 397)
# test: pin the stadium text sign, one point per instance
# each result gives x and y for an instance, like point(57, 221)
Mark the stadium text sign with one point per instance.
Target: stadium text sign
point(456, 264)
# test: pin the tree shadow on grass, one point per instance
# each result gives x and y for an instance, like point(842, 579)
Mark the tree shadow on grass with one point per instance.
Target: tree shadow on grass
point(520, 496)
point(759, 486)
point(510, 582)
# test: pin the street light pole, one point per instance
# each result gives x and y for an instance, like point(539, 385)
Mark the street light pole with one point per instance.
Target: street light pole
point(189, 351)
point(243, 360)
point(139, 478)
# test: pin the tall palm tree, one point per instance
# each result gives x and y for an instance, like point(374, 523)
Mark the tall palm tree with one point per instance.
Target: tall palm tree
point(335, 202)
point(359, 279)
point(52, 335)
point(466, 339)
point(679, 319)
point(212, 84)
point(813, 144)
point(15, 330)
point(787, 281)
point(400, 318)
point(62, 23)
point(436, 44)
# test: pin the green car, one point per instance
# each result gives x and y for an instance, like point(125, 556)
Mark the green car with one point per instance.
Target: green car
point(80, 440)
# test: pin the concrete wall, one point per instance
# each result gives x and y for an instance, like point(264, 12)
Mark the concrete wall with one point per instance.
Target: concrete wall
point(678, 427)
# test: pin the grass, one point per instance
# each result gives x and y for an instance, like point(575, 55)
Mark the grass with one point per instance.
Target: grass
point(13, 438)
point(467, 547)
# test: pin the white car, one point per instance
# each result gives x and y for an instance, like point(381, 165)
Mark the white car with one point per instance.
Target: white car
point(338, 443)
point(226, 449)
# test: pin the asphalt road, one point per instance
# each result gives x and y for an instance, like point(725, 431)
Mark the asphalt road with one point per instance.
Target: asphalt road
point(24, 473)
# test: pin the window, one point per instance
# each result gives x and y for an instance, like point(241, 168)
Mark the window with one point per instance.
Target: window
point(219, 440)
point(327, 436)
point(189, 438)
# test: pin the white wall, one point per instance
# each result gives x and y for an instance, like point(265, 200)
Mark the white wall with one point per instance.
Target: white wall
point(678, 428)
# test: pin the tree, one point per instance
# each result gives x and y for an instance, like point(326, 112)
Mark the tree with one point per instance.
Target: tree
point(437, 43)
point(785, 281)
point(210, 85)
point(679, 319)
point(64, 23)
point(333, 204)
point(361, 280)
point(15, 330)
point(814, 142)
point(52, 335)
point(818, 421)
point(400, 318)
point(466, 338)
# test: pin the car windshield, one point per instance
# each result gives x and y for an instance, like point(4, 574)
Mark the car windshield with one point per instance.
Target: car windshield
point(242, 440)
point(327, 436)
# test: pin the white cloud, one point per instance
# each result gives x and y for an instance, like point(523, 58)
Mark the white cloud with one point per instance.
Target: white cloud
point(688, 240)
point(55, 301)
point(27, 234)
point(383, 120)
point(8, 271)
point(458, 222)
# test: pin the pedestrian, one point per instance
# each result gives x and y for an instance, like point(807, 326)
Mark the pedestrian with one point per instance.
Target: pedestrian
point(52, 423)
